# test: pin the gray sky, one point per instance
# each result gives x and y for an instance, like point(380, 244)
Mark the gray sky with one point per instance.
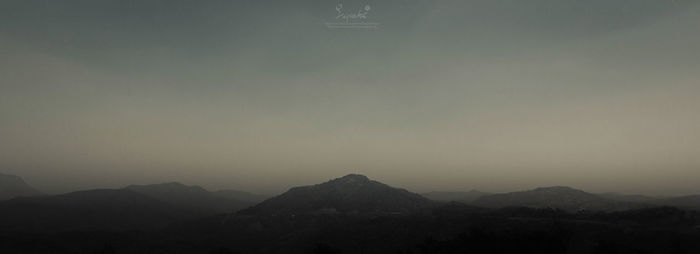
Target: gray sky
point(496, 95)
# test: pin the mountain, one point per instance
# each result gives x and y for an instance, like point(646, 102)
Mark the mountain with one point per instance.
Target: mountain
point(241, 195)
point(459, 196)
point(195, 196)
point(91, 210)
point(355, 194)
point(13, 186)
point(559, 197)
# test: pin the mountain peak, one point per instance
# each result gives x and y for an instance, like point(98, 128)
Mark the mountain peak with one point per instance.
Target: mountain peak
point(352, 178)
point(349, 194)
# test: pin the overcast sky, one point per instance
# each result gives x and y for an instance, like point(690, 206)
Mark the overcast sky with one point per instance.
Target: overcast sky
point(495, 95)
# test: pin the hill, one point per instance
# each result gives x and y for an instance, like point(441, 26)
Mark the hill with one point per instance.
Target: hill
point(559, 197)
point(90, 210)
point(628, 198)
point(13, 186)
point(686, 202)
point(354, 194)
point(195, 196)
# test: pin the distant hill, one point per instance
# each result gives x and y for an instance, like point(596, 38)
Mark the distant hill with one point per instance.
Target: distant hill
point(195, 196)
point(91, 210)
point(13, 186)
point(241, 195)
point(459, 196)
point(628, 198)
point(559, 197)
point(683, 202)
point(353, 193)
point(686, 202)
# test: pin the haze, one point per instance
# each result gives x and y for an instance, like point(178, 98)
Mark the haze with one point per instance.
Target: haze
point(601, 95)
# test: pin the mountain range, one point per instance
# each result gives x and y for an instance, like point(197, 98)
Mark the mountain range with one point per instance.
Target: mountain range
point(159, 205)
point(352, 213)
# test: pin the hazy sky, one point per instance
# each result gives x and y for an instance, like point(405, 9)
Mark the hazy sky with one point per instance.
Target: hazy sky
point(496, 95)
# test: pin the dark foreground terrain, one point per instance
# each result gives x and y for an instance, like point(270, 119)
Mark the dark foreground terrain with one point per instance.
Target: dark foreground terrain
point(451, 228)
point(352, 214)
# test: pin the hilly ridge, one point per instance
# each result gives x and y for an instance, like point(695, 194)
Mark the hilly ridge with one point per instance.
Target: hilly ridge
point(349, 194)
point(559, 197)
point(195, 196)
point(136, 207)
point(352, 214)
